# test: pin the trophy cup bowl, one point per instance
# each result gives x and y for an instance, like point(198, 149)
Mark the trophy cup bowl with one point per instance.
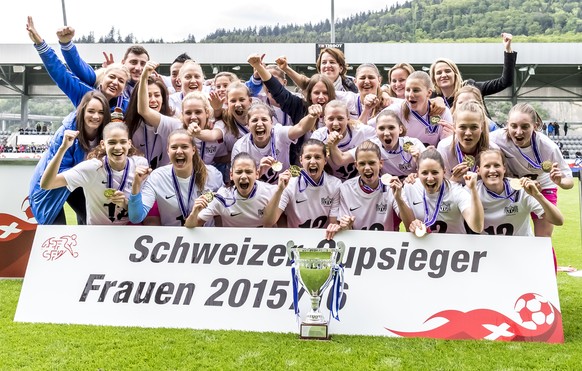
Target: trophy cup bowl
point(314, 266)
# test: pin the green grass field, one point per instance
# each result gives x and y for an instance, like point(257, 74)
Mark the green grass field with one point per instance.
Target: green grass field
point(25, 346)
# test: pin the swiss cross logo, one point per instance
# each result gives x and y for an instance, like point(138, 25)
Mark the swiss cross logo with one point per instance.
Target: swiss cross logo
point(55, 247)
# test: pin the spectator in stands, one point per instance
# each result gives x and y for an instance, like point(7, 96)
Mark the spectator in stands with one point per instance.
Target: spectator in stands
point(566, 127)
point(557, 128)
point(550, 129)
point(545, 128)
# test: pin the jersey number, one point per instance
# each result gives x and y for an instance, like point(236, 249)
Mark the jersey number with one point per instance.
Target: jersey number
point(318, 223)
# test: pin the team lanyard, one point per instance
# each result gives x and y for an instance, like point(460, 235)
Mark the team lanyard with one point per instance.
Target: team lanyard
point(184, 208)
point(431, 219)
point(537, 163)
point(308, 181)
point(507, 190)
point(241, 127)
point(359, 106)
point(432, 129)
point(110, 174)
point(349, 137)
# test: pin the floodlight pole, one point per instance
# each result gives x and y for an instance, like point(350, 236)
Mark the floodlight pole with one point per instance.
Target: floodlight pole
point(332, 24)
point(64, 12)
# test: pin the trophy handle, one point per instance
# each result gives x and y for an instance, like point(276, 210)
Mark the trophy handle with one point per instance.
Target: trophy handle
point(342, 249)
point(290, 246)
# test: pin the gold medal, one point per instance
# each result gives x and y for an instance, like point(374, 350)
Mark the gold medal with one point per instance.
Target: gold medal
point(295, 170)
point(209, 196)
point(546, 166)
point(109, 192)
point(277, 166)
point(470, 160)
point(385, 179)
point(515, 184)
point(435, 120)
point(407, 146)
point(420, 231)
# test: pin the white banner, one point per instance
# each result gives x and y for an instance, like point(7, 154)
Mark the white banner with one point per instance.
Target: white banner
point(440, 286)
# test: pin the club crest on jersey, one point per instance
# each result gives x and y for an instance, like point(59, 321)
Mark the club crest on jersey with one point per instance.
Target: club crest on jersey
point(326, 201)
point(445, 207)
point(260, 212)
point(405, 167)
point(381, 208)
point(511, 210)
point(211, 149)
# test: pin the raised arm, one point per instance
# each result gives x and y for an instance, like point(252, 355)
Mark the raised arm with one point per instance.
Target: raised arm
point(507, 75)
point(551, 213)
point(307, 123)
point(336, 155)
point(51, 178)
point(300, 80)
point(76, 64)
point(150, 115)
point(474, 215)
point(272, 212)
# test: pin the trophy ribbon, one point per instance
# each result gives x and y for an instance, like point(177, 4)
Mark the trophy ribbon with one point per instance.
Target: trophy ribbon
point(337, 290)
point(295, 282)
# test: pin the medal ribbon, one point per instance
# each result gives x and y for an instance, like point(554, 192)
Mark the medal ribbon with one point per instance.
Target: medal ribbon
point(359, 106)
point(337, 290)
point(367, 189)
point(145, 134)
point(110, 174)
point(241, 127)
point(184, 209)
point(429, 126)
point(508, 192)
point(534, 146)
point(399, 151)
point(430, 220)
point(223, 200)
point(271, 142)
point(460, 156)
point(308, 181)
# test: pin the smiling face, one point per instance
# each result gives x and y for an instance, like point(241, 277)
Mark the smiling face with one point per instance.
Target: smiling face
point(398, 82)
point(135, 63)
point(116, 144)
point(330, 67)
point(180, 152)
point(191, 78)
point(238, 103)
point(260, 124)
point(113, 83)
point(417, 95)
point(388, 131)
point(368, 165)
point(220, 85)
point(194, 111)
point(431, 175)
point(468, 130)
point(336, 118)
point(93, 117)
point(155, 98)
point(520, 128)
point(244, 174)
point(492, 171)
point(319, 94)
point(444, 76)
point(367, 81)
point(313, 160)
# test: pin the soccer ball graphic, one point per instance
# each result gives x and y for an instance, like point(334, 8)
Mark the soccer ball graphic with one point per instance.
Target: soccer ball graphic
point(535, 311)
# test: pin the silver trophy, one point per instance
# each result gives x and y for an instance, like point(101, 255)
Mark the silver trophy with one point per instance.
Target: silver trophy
point(315, 273)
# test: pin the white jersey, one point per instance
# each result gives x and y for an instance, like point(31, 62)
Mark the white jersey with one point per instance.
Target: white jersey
point(154, 143)
point(209, 150)
point(508, 216)
point(449, 215)
point(308, 206)
point(352, 101)
point(352, 138)
point(518, 163)
point(397, 162)
point(417, 129)
point(236, 211)
point(159, 186)
point(92, 176)
point(450, 158)
point(278, 147)
point(372, 211)
point(175, 101)
point(228, 138)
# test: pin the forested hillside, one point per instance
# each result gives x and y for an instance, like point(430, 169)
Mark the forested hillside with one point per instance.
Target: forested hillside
point(432, 21)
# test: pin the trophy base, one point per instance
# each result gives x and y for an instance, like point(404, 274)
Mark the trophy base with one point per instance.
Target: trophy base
point(315, 331)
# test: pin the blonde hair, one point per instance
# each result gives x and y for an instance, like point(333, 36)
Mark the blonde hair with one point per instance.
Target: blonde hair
point(424, 78)
point(458, 79)
point(197, 95)
point(474, 106)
